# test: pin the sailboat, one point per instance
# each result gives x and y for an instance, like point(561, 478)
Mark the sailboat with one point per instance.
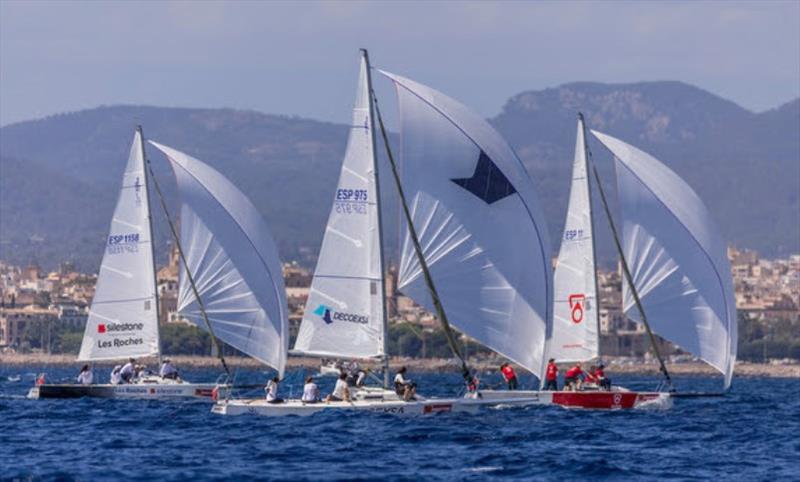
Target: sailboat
point(123, 319)
point(345, 315)
point(682, 284)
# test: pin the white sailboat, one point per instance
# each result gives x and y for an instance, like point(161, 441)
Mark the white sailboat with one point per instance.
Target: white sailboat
point(345, 315)
point(663, 221)
point(123, 319)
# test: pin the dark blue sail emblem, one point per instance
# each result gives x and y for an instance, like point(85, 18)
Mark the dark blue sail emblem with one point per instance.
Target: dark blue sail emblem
point(487, 182)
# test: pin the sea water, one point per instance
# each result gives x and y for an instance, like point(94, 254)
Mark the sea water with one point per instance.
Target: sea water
point(753, 433)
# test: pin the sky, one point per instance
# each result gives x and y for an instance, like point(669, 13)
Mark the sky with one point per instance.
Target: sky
point(301, 58)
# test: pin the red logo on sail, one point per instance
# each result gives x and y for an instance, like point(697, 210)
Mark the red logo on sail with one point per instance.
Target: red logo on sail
point(101, 328)
point(576, 305)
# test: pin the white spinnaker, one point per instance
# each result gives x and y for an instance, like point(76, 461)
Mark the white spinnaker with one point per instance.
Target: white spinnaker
point(480, 226)
point(234, 263)
point(344, 311)
point(575, 310)
point(677, 258)
point(123, 321)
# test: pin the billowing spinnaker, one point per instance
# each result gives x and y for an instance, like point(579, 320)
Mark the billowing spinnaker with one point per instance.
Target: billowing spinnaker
point(575, 310)
point(123, 321)
point(677, 258)
point(479, 223)
point(344, 311)
point(234, 263)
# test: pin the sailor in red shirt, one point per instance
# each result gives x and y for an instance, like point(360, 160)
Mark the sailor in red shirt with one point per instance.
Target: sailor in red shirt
point(573, 378)
point(509, 376)
point(591, 377)
point(551, 376)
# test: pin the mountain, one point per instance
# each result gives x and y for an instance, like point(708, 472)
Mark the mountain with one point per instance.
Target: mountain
point(59, 176)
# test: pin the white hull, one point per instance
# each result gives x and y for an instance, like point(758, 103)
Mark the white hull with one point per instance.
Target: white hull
point(396, 407)
point(147, 389)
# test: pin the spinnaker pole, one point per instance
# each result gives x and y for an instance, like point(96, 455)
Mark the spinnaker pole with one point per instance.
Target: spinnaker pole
point(437, 303)
point(380, 222)
point(626, 270)
point(152, 243)
point(186, 268)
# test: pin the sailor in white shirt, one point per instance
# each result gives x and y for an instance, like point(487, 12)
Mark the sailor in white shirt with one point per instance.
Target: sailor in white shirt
point(310, 391)
point(341, 392)
point(168, 370)
point(272, 391)
point(116, 378)
point(128, 371)
point(85, 377)
point(403, 386)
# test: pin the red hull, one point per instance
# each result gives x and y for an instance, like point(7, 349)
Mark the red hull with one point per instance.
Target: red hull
point(603, 400)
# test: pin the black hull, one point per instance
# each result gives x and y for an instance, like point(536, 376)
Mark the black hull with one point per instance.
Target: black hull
point(74, 391)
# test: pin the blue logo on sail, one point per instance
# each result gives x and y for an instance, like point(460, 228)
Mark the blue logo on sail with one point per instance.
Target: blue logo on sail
point(328, 315)
point(324, 312)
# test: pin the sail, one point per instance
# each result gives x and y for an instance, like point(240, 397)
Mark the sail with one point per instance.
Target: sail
point(123, 318)
point(677, 258)
point(233, 261)
point(575, 308)
point(479, 223)
point(344, 312)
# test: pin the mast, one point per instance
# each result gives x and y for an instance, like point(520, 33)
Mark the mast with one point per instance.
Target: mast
point(627, 272)
point(152, 242)
point(437, 303)
point(587, 154)
point(365, 55)
point(186, 269)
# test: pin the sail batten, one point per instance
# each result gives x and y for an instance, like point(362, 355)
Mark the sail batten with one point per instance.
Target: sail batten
point(345, 311)
point(479, 224)
point(677, 258)
point(123, 318)
point(233, 261)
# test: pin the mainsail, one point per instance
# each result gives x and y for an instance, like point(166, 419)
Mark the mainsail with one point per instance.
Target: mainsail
point(479, 224)
point(234, 262)
point(344, 315)
point(123, 319)
point(575, 312)
point(677, 258)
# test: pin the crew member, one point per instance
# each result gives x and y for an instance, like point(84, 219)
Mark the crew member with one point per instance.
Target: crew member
point(168, 370)
point(591, 377)
point(272, 391)
point(509, 376)
point(341, 391)
point(403, 386)
point(85, 377)
point(605, 383)
point(574, 377)
point(116, 378)
point(128, 371)
point(551, 376)
point(310, 391)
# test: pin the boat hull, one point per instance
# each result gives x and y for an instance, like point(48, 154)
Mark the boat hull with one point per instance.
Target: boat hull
point(596, 400)
point(393, 407)
point(133, 390)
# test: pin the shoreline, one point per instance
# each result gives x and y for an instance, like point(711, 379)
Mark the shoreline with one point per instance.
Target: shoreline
point(743, 369)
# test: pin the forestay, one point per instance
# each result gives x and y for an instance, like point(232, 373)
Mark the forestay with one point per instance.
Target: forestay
point(677, 258)
point(479, 223)
point(344, 311)
point(575, 311)
point(123, 320)
point(234, 262)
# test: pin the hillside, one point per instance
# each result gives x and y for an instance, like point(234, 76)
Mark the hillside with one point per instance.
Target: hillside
point(59, 175)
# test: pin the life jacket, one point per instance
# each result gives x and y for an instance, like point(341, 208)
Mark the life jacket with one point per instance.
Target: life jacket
point(552, 371)
point(508, 372)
